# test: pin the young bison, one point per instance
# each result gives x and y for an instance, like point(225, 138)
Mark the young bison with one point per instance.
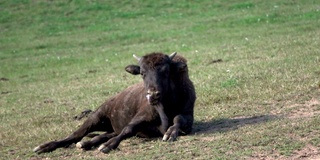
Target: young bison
point(160, 106)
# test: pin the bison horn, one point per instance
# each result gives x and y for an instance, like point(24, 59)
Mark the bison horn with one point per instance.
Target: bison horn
point(172, 55)
point(136, 57)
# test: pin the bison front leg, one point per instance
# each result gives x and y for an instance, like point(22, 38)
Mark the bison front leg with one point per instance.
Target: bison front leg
point(97, 140)
point(182, 124)
point(127, 132)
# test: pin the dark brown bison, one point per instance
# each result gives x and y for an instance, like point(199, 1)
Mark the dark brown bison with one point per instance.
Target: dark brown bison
point(160, 106)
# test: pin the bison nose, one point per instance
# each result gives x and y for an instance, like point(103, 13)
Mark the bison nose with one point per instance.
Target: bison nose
point(153, 93)
point(156, 94)
point(153, 96)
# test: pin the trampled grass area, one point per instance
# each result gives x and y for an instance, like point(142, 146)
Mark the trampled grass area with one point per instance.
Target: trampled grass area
point(255, 66)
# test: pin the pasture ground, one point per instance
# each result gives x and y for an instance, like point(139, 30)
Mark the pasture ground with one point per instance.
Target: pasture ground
point(255, 66)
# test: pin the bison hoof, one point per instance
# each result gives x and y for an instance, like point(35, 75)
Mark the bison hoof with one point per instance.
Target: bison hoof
point(165, 137)
point(47, 147)
point(104, 149)
point(79, 145)
point(37, 149)
point(171, 134)
point(84, 145)
point(168, 138)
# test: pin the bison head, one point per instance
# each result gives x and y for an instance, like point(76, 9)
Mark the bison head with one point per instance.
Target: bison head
point(157, 70)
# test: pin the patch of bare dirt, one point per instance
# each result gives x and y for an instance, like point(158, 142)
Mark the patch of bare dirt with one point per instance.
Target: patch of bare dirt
point(307, 109)
point(298, 105)
point(309, 152)
point(263, 156)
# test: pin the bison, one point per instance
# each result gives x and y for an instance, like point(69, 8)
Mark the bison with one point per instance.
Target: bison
point(161, 105)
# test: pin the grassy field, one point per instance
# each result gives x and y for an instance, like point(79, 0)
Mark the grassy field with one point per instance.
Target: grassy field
point(255, 66)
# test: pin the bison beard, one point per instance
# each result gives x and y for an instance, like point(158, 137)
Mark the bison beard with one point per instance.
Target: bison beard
point(162, 105)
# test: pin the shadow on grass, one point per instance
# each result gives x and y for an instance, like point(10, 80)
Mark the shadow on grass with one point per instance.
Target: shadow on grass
point(224, 125)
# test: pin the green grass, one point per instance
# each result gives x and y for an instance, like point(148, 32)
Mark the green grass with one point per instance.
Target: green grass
point(58, 58)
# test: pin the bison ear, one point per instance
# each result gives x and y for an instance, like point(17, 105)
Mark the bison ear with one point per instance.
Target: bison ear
point(181, 67)
point(133, 69)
